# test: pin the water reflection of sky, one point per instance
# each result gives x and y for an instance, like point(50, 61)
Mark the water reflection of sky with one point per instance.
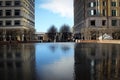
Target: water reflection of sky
point(55, 59)
point(46, 55)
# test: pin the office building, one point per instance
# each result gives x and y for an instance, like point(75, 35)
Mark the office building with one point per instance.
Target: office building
point(17, 20)
point(94, 18)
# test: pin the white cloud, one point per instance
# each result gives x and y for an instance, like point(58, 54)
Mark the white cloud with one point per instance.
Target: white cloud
point(62, 7)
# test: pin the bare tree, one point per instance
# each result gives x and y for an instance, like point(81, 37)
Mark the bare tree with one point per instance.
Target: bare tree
point(65, 33)
point(52, 33)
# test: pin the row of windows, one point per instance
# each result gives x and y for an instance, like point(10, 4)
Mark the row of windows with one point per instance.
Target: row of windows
point(9, 22)
point(9, 3)
point(15, 23)
point(104, 22)
point(95, 12)
point(17, 12)
point(94, 4)
point(16, 3)
point(9, 12)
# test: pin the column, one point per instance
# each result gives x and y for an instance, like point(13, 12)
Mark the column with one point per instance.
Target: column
point(22, 35)
point(18, 37)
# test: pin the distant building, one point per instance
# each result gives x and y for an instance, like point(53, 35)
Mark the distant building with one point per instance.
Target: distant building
point(17, 20)
point(93, 18)
point(41, 36)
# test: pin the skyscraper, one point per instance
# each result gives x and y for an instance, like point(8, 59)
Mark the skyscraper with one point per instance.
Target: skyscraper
point(16, 20)
point(94, 18)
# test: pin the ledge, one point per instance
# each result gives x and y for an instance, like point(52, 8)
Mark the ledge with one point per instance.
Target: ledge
point(99, 41)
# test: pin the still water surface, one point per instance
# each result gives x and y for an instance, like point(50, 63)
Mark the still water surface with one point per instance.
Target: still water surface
point(60, 61)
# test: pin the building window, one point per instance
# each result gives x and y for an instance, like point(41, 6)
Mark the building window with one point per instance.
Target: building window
point(92, 22)
point(104, 3)
point(8, 3)
point(1, 23)
point(8, 23)
point(8, 12)
point(104, 12)
point(1, 12)
point(17, 12)
point(114, 22)
point(17, 22)
point(103, 22)
point(93, 12)
point(17, 3)
point(1, 3)
point(92, 4)
point(113, 4)
point(113, 12)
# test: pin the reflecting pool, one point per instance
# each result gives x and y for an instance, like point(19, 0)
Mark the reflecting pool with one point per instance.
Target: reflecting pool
point(60, 61)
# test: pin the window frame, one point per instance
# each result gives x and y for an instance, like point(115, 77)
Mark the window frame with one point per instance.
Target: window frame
point(114, 13)
point(17, 3)
point(17, 12)
point(8, 12)
point(91, 22)
point(8, 3)
point(114, 22)
point(8, 22)
point(113, 4)
point(17, 22)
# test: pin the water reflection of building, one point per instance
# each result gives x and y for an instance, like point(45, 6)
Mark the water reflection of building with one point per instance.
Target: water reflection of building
point(17, 62)
point(97, 62)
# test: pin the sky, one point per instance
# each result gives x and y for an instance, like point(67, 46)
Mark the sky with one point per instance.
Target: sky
point(53, 12)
